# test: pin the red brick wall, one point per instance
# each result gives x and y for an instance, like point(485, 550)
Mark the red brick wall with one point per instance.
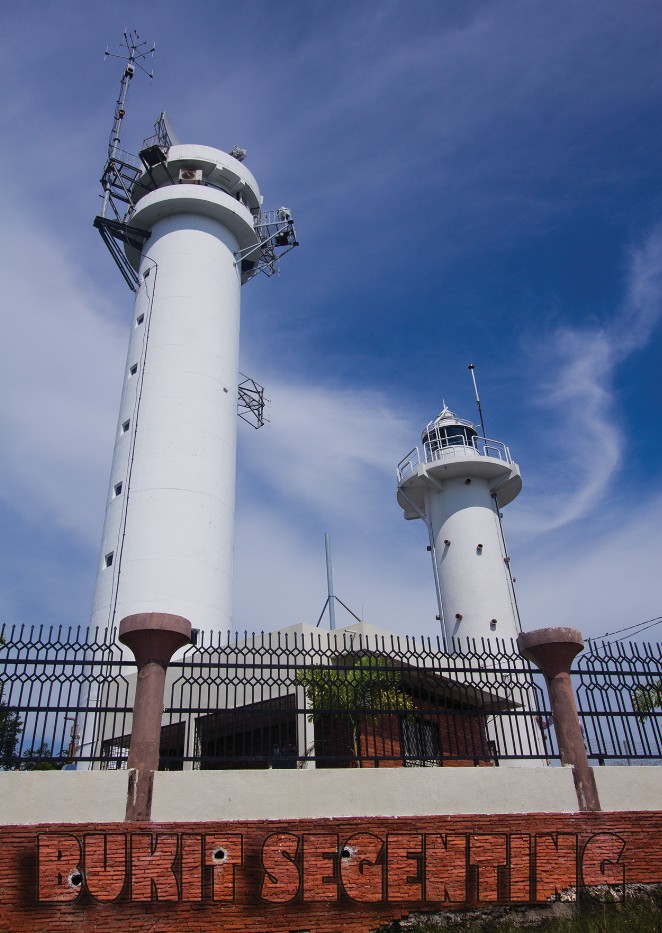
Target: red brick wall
point(319, 875)
point(462, 738)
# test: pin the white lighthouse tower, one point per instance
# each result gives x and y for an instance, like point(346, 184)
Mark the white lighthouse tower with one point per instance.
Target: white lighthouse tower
point(184, 224)
point(457, 482)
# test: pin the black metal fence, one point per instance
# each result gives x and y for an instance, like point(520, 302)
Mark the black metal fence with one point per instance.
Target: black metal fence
point(618, 686)
point(330, 699)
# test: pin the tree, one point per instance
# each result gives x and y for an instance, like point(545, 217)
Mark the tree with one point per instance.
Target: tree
point(646, 699)
point(357, 694)
point(42, 759)
point(11, 727)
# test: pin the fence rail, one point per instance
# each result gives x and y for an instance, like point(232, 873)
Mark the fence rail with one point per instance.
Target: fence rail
point(333, 699)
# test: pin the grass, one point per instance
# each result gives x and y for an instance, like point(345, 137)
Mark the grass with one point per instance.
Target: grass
point(636, 915)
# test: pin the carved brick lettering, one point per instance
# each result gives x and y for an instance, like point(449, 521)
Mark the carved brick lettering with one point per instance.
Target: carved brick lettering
point(404, 857)
point(519, 866)
point(320, 858)
point(281, 879)
point(556, 864)
point(224, 853)
point(488, 853)
point(152, 867)
point(362, 878)
point(601, 860)
point(59, 858)
point(446, 867)
point(191, 870)
point(105, 865)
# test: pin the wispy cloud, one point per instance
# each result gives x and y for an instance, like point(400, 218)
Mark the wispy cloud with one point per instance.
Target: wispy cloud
point(583, 436)
point(328, 448)
point(605, 578)
point(60, 365)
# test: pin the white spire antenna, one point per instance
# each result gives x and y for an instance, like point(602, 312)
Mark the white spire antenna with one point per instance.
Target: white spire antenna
point(480, 410)
point(122, 170)
point(331, 598)
point(138, 51)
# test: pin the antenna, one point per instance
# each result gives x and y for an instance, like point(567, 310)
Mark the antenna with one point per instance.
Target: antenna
point(331, 598)
point(122, 170)
point(480, 410)
point(137, 51)
point(329, 582)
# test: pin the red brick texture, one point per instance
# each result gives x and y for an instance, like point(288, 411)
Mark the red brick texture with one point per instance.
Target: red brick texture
point(461, 739)
point(318, 875)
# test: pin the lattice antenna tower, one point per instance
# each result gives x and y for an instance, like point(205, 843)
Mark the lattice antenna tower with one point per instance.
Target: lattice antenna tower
point(138, 52)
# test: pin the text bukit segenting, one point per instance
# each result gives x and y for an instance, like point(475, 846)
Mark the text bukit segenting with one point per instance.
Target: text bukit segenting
point(365, 867)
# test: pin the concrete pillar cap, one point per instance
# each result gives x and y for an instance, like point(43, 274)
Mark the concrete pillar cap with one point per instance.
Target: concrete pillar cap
point(149, 621)
point(552, 649)
point(551, 636)
point(154, 636)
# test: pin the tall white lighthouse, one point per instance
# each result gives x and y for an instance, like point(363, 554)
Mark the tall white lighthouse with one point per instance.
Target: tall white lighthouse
point(457, 482)
point(184, 224)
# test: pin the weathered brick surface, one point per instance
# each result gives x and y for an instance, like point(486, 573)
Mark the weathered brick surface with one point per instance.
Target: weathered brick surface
point(462, 739)
point(318, 875)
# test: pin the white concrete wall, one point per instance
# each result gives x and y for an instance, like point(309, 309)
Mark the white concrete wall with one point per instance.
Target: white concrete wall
point(62, 796)
point(262, 795)
point(96, 796)
point(629, 788)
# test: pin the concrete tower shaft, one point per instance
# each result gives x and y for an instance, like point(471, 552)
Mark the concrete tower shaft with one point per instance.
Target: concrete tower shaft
point(167, 543)
point(456, 483)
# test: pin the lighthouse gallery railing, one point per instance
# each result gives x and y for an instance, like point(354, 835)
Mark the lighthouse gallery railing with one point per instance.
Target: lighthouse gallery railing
point(478, 446)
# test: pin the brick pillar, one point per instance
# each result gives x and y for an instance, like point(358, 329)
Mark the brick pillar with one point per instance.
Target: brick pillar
point(553, 651)
point(153, 637)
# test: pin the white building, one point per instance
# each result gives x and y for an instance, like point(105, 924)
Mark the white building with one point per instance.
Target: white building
point(193, 234)
point(457, 482)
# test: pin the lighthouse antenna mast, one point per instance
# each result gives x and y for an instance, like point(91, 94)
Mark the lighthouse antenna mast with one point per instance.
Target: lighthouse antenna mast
point(138, 51)
point(480, 410)
point(122, 170)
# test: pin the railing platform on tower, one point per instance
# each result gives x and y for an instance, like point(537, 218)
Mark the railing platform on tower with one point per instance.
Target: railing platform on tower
point(476, 447)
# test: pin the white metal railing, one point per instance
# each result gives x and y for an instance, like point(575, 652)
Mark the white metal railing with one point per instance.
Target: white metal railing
point(266, 218)
point(477, 446)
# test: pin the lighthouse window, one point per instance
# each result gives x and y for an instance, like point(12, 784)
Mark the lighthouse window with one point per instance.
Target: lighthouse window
point(108, 560)
point(125, 426)
point(454, 435)
point(117, 490)
point(133, 370)
point(140, 320)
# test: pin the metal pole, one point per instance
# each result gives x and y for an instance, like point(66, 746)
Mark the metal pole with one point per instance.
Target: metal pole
point(329, 582)
point(480, 410)
point(136, 53)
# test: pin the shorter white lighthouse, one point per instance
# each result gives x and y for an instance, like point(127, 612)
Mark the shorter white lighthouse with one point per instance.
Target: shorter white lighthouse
point(457, 482)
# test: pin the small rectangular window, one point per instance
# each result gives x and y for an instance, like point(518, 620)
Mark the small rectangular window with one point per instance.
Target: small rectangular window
point(108, 560)
point(125, 426)
point(140, 320)
point(133, 370)
point(117, 490)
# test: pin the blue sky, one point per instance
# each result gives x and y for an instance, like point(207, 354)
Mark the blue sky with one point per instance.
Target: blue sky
point(471, 182)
